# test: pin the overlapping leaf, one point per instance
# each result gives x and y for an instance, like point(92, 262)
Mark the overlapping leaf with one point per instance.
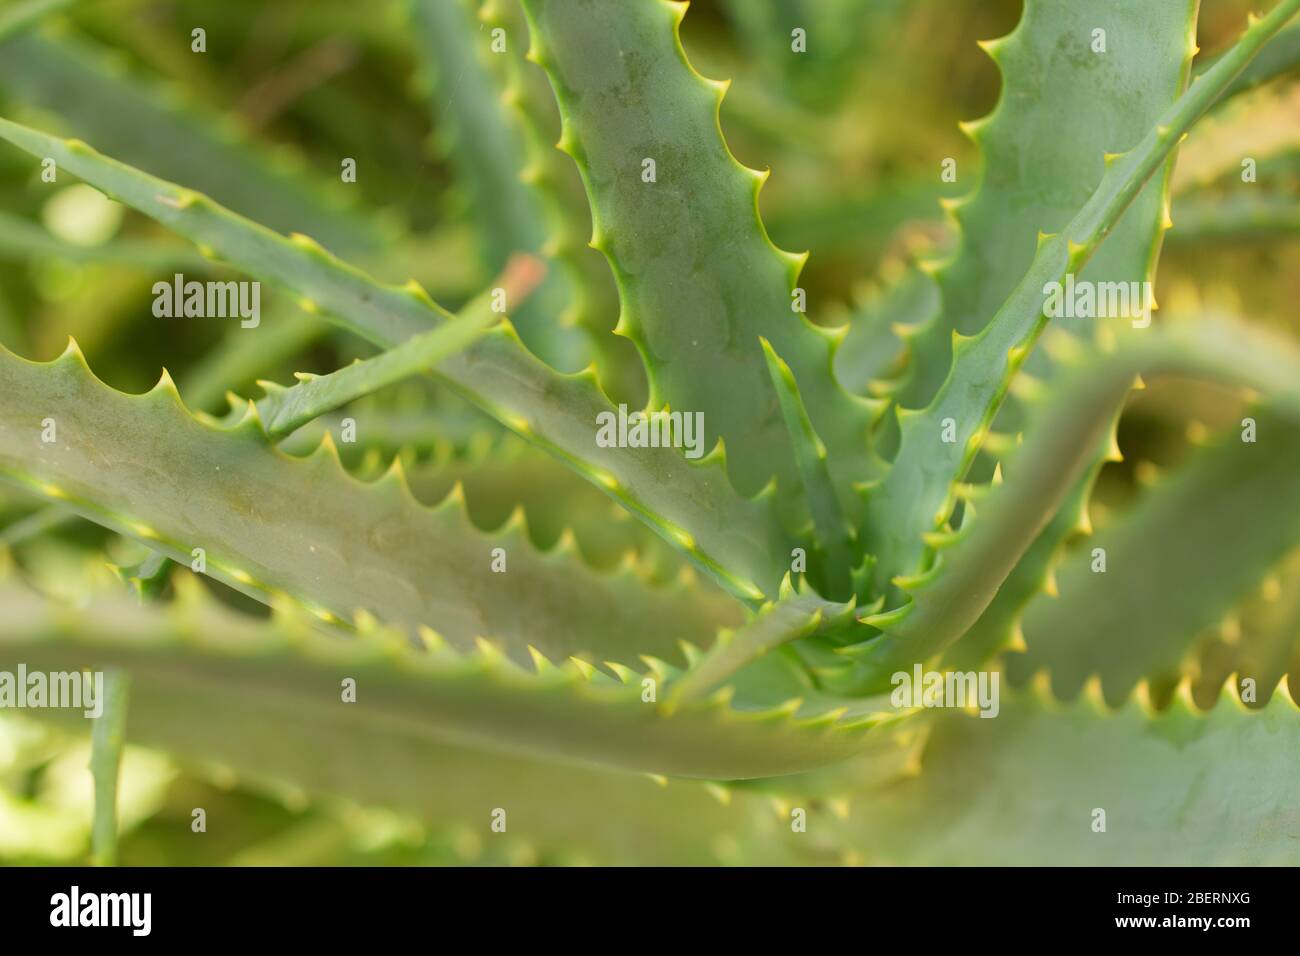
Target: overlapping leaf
point(268, 523)
point(676, 215)
point(692, 506)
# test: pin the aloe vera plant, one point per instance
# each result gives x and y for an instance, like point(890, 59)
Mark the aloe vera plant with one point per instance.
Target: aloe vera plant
point(629, 555)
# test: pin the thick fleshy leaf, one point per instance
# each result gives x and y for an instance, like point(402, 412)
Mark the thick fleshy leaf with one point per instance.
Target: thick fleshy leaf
point(1209, 533)
point(1025, 788)
point(1259, 641)
point(1040, 168)
point(691, 505)
point(488, 154)
point(1060, 446)
point(676, 215)
point(277, 669)
point(284, 410)
point(917, 494)
point(269, 524)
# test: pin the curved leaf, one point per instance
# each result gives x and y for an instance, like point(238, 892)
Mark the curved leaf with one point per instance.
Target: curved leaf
point(286, 671)
point(1178, 788)
point(692, 506)
point(488, 156)
point(699, 280)
point(973, 562)
point(1184, 538)
point(917, 494)
point(1043, 149)
point(269, 523)
point(97, 101)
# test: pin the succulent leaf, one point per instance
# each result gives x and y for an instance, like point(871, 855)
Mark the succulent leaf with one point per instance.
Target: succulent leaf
point(1040, 171)
point(99, 103)
point(285, 410)
point(488, 156)
point(1129, 255)
point(915, 495)
point(1263, 642)
point(1024, 789)
point(676, 215)
point(1059, 447)
point(485, 600)
point(833, 531)
point(336, 545)
point(1197, 548)
point(477, 698)
point(794, 616)
point(593, 299)
point(692, 506)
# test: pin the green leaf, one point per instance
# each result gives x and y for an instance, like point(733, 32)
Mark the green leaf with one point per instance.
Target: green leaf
point(270, 524)
point(148, 578)
point(1184, 538)
point(1260, 640)
point(171, 139)
point(186, 661)
point(691, 505)
point(513, 474)
point(1130, 254)
point(284, 410)
point(998, 627)
point(1060, 446)
point(488, 155)
point(833, 532)
point(1036, 177)
point(794, 616)
point(331, 751)
point(917, 494)
point(699, 280)
point(105, 759)
point(592, 297)
point(486, 151)
point(1179, 788)
point(1043, 150)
